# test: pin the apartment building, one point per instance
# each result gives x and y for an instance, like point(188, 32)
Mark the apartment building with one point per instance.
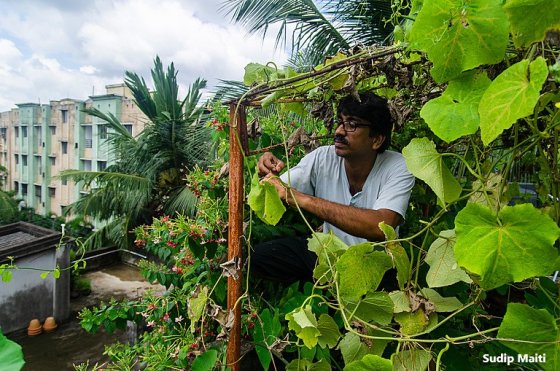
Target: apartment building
point(37, 141)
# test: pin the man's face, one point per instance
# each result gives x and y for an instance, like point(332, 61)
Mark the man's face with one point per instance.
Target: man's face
point(352, 139)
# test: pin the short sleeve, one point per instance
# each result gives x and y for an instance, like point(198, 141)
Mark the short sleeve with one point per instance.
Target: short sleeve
point(394, 193)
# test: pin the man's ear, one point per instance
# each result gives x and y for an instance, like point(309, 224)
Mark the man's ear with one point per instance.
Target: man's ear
point(377, 141)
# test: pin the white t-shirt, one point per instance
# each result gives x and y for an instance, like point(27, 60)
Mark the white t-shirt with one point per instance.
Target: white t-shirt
point(321, 173)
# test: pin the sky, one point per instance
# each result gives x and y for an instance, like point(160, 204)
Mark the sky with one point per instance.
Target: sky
point(55, 49)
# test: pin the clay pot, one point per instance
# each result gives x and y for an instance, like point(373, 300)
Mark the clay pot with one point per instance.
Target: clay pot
point(34, 328)
point(50, 324)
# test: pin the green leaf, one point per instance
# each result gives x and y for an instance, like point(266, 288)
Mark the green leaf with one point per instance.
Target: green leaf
point(411, 360)
point(444, 270)
point(401, 303)
point(455, 113)
point(196, 304)
point(531, 19)
point(370, 362)
point(397, 253)
point(511, 96)
point(326, 246)
point(305, 365)
point(265, 201)
point(515, 245)
point(205, 361)
point(329, 331)
point(425, 163)
point(412, 322)
point(442, 304)
point(459, 35)
point(376, 306)
point(304, 324)
point(6, 275)
point(537, 331)
point(56, 273)
point(257, 74)
point(11, 355)
point(265, 332)
point(353, 348)
point(44, 275)
point(360, 270)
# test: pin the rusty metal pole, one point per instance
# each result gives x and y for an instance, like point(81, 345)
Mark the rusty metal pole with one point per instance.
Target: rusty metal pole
point(237, 133)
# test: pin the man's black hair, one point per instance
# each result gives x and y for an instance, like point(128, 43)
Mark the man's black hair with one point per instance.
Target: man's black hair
point(373, 109)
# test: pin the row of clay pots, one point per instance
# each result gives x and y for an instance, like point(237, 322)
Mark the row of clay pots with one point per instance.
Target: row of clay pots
point(35, 327)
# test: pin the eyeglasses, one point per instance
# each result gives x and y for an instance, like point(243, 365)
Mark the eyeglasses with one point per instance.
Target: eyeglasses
point(350, 125)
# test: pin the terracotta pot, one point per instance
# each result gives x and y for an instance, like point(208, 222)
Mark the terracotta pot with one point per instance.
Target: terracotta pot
point(34, 328)
point(50, 324)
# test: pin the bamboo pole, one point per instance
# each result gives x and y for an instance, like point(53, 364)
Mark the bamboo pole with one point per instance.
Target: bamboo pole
point(237, 133)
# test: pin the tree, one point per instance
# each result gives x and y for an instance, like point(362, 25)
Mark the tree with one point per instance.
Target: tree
point(321, 28)
point(147, 179)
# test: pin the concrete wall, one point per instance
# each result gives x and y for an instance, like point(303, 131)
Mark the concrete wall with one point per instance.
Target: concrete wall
point(27, 295)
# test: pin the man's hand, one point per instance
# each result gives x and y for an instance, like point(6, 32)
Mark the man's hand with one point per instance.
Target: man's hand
point(268, 163)
point(281, 188)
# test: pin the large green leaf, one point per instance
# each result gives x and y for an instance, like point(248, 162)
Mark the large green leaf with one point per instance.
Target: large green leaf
point(329, 331)
point(511, 96)
point(306, 365)
point(265, 201)
point(531, 19)
point(411, 360)
point(196, 305)
point(460, 35)
point(370, 362)
point(304, 324)
point(424, 162)
point(510, 247)
point(353, 348)
point(444, 270)
point(397, 253)
point(11, 356)
point(376, 306)
point(455, 113)
point(206, 361)
point(536, 330)
point(360, 270)
point(328, 248)
point(265, 333)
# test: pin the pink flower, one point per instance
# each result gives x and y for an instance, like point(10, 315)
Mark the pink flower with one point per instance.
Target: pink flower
point(151, 323)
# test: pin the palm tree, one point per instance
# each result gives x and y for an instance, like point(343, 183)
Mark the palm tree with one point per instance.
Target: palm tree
point(147, 179)
point(320, 28)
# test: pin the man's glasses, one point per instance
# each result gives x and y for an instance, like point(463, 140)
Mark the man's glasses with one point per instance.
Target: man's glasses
point(350, 125)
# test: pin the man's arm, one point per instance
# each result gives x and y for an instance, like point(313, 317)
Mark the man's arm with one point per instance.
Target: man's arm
point(358, 222)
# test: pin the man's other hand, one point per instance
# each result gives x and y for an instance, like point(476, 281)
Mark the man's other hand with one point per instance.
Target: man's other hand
point(268, 163)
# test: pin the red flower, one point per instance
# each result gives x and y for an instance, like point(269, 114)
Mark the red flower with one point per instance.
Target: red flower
point(171, 244)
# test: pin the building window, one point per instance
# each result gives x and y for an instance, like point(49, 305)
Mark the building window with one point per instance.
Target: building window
point(38, 198)
point(39, 166)
point(24, 189)
point(64, 181)
point(88, 136)
point(53, 130)
point(101, 165)
point(64, 147)
point(63, 209)
point(128, 127)
point(16, 187)
point(3, 133)
point(53, 161)
point(102, 131)
point(17, 131)
point(38, 136)
point(17, 159)
point(24, 131)
point(24, 160)
point(64, 115)
point(86, 165)
point(52, 192)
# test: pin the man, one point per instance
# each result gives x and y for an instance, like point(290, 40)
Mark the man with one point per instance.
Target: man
point(352, 186)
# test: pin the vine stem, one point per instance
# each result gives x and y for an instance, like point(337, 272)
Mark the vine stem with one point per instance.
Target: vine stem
point(438, 362)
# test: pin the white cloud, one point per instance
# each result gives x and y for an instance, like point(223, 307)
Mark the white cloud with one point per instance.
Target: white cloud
point(57, 49)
